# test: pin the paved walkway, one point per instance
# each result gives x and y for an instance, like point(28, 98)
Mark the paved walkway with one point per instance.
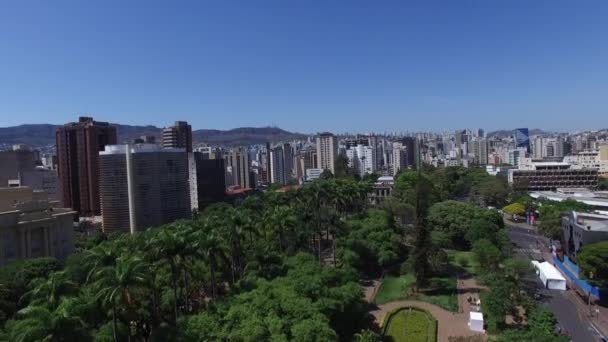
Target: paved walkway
point(448, 323)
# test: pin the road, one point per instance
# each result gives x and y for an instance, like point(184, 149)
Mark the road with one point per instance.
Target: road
point(528, 244)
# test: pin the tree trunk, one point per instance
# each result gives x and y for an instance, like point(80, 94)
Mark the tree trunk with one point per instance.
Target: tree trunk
point(212, 270)
point(334, 248)
point(187, 294)
point(174, 283)
point(114, 322)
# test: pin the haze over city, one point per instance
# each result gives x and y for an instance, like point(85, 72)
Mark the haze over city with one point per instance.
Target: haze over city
point(307, 66)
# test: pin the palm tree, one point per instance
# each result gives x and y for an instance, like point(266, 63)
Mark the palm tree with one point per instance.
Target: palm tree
point(211, 247)
point(115, 283)
point(280, 221)
point(38, 323)
point(170, 244)
point(50, 291)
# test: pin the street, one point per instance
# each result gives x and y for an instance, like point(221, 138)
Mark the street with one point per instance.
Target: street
point(529, 245)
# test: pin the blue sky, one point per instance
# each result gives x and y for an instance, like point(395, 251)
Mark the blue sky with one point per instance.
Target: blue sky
point(307, 65)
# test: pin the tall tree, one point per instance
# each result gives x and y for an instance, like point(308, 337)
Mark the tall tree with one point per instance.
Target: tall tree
point(116, 283)
point(422, 237)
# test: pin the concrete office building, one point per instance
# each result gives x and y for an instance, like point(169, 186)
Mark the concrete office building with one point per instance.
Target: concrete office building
point(78, 147)
point(522, 138)
point(409, 143)
point(399, 158)
point(548, 176)
point(142, 186)
point(41, 179)
point(313, 174)
point(32, 227)
point(327, 152)
point(277, 166)
point(288, 162)
point(237, 168)
point(209, 180)
point(479, 148)
point(362, 159)
point(178, 136)
point(14, 162)
point(581, 229)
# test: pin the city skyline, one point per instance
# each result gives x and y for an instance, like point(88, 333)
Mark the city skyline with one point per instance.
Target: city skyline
point(307, 67)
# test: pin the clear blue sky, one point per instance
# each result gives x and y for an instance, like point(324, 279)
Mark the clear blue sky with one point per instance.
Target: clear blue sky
point(307, 65)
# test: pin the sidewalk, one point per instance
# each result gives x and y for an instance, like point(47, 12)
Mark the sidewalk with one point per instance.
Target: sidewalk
point(597, 316)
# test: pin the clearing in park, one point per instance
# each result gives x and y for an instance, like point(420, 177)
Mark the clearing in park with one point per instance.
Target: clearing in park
point(410, 325)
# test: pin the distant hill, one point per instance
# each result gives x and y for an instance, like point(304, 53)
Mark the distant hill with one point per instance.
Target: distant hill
point(508, 133)
point(44, 134)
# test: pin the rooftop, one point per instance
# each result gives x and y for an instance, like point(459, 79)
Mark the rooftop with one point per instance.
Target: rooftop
point(137, 148)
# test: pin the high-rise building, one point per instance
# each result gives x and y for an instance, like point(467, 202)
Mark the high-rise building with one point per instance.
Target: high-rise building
point(237, 168)
point(178, 136)
point(15, 162)
point(142, 186)
point(277, 166)
point(210, 180)
point(362, 159)
point(410, 151)
point(42, 179)
point(78, 147)
point(398, 160)
point(31, 227)
point(479, 148)
point(522, 138)
point(288, 162)
point(327, 151)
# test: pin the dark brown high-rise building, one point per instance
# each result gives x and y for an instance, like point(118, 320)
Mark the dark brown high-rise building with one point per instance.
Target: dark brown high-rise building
point(178, 136)
point(78, 147)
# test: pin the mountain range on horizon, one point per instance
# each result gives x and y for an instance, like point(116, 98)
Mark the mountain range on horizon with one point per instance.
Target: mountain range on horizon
point(44, 134)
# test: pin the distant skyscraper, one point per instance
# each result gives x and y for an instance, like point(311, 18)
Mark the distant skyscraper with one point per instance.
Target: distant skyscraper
point(142, 186)
point(288, 162)
point(327, 151)
point(13, 163)
point(78, 147)
point(362, 159)
point(210, 180)
point(277, 165)
point(522, 138)
point(410, 151)
point(398, 160)
point(479, 148)
point(237, 168)
point(178, 136)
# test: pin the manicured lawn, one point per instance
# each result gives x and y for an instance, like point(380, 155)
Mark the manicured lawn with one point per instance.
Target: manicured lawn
point(441, 291)
point(411, 325)
point(457, 257)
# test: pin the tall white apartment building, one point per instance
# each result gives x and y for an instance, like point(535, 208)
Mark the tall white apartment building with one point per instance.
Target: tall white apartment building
point(399, 158)
point(362, 159)
point(327, 151)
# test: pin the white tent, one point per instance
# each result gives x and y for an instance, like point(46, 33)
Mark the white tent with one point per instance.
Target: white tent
point(476, 321)
point(550, 276)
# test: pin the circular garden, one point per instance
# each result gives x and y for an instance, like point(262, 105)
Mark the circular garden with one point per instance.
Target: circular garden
point(410, 324)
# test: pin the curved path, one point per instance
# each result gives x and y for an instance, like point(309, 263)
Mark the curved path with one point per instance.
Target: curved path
point(457, 325)
point(448, 323)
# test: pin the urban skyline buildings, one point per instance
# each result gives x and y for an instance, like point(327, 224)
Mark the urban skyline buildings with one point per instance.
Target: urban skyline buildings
point(78, 147)
point(142, 185)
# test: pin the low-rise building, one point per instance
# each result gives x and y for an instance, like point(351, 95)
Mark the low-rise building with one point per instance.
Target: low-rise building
point(548, 176)
point(597, 200)
point(382, 188)
point(581, 229)
point(31, 226)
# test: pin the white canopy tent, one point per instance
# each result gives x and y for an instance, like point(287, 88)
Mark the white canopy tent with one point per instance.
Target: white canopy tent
point(550, 276)
point(476, 321)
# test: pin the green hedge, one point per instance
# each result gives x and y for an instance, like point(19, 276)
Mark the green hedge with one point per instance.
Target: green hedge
point(410, 324)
